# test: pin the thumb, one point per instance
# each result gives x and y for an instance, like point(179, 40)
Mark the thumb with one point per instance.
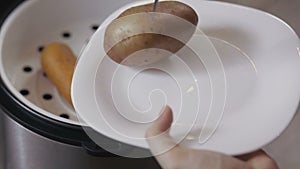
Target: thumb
point(162, 124)
point(157, 134)
point(160, 142)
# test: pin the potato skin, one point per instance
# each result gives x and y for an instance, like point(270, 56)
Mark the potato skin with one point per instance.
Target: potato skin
point(169, 7)
point(58, 62)
point(122, 50)
point(127, 46)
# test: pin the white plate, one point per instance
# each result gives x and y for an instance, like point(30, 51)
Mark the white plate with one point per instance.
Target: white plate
point(261, 63)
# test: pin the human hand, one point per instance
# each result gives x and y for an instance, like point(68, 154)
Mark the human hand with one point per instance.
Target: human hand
point(183, 158)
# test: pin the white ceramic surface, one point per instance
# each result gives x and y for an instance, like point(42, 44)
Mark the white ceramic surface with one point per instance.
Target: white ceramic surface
point(262, 90)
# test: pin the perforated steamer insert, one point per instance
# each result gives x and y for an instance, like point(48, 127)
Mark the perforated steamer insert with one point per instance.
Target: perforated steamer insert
point(24, 39)
point(33, 84)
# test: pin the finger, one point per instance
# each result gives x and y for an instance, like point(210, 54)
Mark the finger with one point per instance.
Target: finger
point(261, 160)
point(162, 124)
point(248, 156)
point(160, 142)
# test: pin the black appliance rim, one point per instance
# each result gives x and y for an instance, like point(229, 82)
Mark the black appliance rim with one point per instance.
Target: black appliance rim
point(34, 121)
point(53, 129)
point(29, 118)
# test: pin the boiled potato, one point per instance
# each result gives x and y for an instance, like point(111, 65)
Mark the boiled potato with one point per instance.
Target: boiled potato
point(139, 28)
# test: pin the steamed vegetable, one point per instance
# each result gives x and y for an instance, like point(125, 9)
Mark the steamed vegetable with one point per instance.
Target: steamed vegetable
point(58, 62)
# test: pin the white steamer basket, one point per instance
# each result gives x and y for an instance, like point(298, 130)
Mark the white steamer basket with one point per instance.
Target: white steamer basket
point(34, 25)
